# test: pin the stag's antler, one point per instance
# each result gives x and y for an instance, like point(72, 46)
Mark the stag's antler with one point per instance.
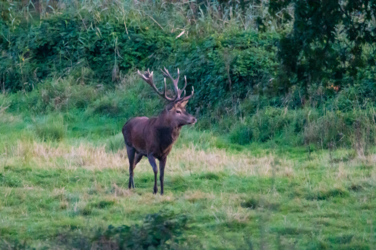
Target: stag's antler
point(148, 77)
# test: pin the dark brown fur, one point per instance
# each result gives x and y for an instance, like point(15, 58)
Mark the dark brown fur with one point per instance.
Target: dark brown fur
point(154, 138)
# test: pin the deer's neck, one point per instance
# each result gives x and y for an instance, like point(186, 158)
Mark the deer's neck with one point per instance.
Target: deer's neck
point(167, 133)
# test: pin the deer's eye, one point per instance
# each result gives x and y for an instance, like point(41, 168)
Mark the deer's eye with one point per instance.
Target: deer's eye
point(178, 111)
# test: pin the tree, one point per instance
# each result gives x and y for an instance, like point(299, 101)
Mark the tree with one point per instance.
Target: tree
point(330, 40)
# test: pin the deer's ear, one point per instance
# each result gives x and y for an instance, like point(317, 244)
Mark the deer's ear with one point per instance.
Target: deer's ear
point(183, 103)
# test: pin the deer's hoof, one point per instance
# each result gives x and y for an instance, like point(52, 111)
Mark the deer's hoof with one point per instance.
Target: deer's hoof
point(131, 183)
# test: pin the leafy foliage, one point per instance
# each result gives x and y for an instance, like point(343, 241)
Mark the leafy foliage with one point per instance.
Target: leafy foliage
point(224, 66)
point(333, 42)
point(31, 56)
point(228, 67)
point(220, 49)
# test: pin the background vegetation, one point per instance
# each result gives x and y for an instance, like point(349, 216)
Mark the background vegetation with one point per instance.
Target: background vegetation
point(282, 156)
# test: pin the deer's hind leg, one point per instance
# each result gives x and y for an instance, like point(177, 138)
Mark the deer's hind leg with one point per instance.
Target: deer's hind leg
point(131, 157)
point(137, 159)
point(155, 169)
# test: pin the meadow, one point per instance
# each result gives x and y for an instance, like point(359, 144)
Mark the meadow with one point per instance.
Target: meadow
point(282, 156)
point(64, 176)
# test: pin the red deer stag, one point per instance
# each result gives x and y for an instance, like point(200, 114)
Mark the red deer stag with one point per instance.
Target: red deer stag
point(154, 137)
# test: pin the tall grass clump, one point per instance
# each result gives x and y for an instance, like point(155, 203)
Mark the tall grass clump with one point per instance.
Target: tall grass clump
point(326, 126)
point(127, 98)
point(55, 95)
point(356, 128)
point(241, 134)
point(51, 129)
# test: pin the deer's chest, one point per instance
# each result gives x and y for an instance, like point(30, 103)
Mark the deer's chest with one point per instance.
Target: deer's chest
point(167, 137)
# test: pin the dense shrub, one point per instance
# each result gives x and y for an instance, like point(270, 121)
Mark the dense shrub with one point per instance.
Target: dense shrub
point(60, 44)
point(222, 67)
point(226, 67)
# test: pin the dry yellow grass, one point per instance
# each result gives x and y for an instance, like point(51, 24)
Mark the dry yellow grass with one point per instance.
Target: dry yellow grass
point(342, 172)
point(120, 192)
point(193, 196)
point(346, 169)
point(231, 214)
point(183, 160)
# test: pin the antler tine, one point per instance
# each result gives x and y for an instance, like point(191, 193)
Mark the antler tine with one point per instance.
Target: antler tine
point(188, 97)
point(165, 93)
point(174, 81)
point(185, 98)
point(185, 85)
point(148, 78)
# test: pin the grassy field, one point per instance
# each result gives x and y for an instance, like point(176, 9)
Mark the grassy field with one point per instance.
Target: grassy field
point(274, 162)
point(63, 174)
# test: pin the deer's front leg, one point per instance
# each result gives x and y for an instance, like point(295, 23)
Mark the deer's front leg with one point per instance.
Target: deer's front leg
point(162, 164)
point(155, 169)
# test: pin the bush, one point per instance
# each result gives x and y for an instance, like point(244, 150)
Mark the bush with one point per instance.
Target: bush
point(221, 67)
point(225, 67)
point(69, 45)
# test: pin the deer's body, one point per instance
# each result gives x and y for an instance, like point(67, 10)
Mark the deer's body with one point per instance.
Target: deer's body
point(150, 136)
point(154, 137)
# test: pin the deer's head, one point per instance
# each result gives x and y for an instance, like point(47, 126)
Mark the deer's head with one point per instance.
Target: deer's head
point(175, 112)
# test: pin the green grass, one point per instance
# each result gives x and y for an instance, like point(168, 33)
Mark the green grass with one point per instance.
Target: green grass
point(249, 175)
point(63, 174)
